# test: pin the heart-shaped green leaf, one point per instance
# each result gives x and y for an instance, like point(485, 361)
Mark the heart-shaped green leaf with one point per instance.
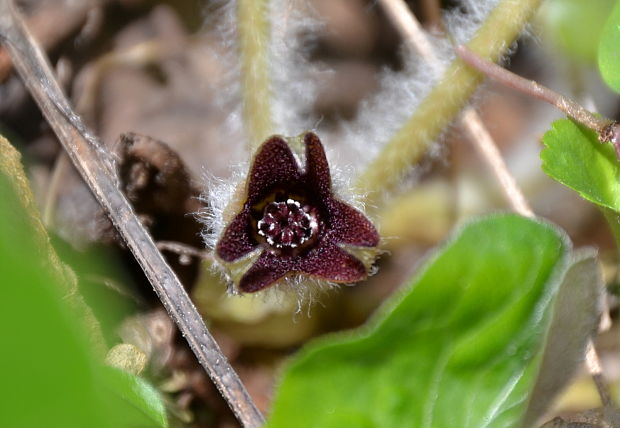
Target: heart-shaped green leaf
point(460, 348)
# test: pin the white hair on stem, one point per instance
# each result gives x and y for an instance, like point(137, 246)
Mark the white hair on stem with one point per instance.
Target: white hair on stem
point(292, 86)
point(293, 77)
point(220, 22)
point(385, 112)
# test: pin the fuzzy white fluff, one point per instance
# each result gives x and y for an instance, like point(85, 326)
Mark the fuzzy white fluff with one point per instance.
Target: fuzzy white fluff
point(400, 93)
point(293, 77)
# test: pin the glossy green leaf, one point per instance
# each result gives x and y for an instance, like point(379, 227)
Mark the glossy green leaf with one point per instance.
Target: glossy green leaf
point(574, 157)
point(135, 402)
point(460, 348)
point(576, 315)
point(49, 375)
point(609, 50)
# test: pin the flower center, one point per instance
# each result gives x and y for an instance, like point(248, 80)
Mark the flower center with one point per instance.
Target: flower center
point(288, 224)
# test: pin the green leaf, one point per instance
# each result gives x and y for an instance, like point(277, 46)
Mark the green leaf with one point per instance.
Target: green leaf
point(460, 347)
point(576, 315)
point(609, 50)
point(136, 403)
point(50, 377)
point(575, 25)
point(574, 156)
point(48, 373)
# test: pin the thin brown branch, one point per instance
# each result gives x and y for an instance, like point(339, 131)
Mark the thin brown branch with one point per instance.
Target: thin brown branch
point(410, 30)
point(183, 250)
point(416, 38)
point(536, 90)
point(593, 365)
point(486, 145)
point(96, 166)
point(431, 13)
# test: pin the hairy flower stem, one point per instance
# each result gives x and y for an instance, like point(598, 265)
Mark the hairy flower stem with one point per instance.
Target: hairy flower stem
point(254, 31)
point(480, 137)
point(445, 101)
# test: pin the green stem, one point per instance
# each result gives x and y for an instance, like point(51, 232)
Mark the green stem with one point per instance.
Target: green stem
point(253, 33)
point(445, 101)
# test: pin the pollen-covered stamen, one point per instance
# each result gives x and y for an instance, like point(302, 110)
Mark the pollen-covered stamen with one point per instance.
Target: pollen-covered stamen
point(288, 224)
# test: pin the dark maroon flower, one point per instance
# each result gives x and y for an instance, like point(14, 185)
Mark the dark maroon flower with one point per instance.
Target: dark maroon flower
point(291, 223)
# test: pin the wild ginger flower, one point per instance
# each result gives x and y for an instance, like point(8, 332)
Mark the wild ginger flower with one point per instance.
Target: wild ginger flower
point(291, 223)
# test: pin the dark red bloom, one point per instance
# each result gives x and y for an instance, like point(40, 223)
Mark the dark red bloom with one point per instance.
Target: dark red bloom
point(291, 215)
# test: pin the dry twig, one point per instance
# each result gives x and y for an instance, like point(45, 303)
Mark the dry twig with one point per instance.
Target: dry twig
point(607, 130)
point(184, 250)
point(593, 364)
point(96, 166)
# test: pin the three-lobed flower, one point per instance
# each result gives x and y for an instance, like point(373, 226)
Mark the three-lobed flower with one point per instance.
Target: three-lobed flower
point(291, 223)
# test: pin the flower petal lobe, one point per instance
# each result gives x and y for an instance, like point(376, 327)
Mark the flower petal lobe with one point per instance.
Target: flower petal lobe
point(332, 264)
point(235, 242)
point(317, 168)
point(350, 226)
point(267, 269)
point(292, 217)
point(274, 165)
